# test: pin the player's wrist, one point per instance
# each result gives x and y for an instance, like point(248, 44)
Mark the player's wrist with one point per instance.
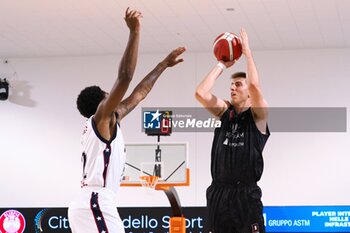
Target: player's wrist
point(163, 64)
point(221, 66)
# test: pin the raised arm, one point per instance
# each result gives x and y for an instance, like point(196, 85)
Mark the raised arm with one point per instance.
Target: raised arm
point(204, 94)
point(126, 69)
point(145, 86)
point(259, 104)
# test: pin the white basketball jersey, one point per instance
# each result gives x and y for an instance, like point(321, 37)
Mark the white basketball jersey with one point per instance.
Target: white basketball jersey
point(103, 161)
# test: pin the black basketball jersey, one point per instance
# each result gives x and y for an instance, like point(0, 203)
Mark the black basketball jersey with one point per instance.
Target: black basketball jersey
point(236, 154)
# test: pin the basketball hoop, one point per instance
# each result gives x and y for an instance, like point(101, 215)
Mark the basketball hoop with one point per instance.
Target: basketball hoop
point(149, 182)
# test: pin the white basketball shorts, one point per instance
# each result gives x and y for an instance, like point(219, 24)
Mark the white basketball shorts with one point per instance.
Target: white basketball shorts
point(94, 211)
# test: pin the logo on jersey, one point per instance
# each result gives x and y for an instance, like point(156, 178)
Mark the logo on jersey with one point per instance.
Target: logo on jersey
point(12, 221)
point(255, 228)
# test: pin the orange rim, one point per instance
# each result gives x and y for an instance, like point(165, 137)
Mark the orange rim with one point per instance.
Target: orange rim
point(187, 183)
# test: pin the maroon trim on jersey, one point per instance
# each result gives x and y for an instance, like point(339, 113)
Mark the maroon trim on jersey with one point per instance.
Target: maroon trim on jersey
point(94, 127)
point(97, 213)
point(106, 156)
point(83, 158)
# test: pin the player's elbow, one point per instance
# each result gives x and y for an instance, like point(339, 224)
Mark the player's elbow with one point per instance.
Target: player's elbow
point(253, 83)
point(254, 87)
point(125, 75)
point(199, 94)
point(140, 94)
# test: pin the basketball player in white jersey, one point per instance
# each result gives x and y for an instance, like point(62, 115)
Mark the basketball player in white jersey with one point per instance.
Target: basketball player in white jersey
point(103, 154)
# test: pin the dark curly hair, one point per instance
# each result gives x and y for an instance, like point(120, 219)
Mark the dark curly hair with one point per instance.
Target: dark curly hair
point(89, 99)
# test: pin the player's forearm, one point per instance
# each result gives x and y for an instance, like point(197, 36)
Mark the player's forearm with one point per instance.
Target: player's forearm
point(254, 89)
point(252, 73)
point(146, 85)
point(128, 62)
point(208, 82)
point(140, 91)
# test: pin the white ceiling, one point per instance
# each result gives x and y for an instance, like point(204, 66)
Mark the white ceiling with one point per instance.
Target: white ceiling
point(35, 28)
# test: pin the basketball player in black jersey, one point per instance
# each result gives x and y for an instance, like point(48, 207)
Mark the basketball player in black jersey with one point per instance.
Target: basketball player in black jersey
point(233, 198)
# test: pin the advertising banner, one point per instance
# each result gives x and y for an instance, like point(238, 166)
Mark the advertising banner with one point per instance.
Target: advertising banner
point(280, 219)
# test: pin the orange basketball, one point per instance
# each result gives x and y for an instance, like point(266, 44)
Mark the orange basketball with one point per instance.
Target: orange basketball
point(227, 47)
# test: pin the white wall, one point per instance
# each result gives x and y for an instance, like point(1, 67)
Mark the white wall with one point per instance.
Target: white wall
point(40, 127)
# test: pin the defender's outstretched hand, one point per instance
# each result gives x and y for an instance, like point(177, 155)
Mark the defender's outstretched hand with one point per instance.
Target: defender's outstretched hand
point(132, 19)
point(171, 59)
